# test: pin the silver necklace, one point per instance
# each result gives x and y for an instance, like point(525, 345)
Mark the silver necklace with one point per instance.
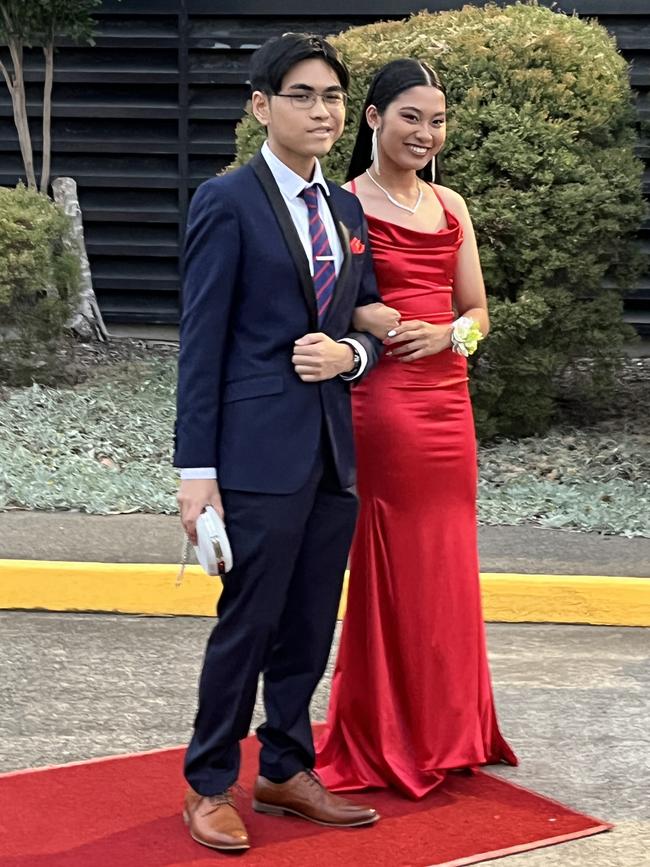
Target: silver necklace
point(394, 201)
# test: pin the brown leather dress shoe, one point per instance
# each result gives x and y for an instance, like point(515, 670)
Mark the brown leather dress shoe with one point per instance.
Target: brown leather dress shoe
point(304, 795)
point(214, 821)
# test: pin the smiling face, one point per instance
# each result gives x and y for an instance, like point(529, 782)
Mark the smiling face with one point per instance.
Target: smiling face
point(297, 132)
point(412, 129)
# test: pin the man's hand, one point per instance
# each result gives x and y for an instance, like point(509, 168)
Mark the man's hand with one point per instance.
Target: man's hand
point(317, 357)
point(193, 496)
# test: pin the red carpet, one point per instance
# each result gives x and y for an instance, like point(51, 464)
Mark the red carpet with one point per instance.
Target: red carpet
point(125, 812)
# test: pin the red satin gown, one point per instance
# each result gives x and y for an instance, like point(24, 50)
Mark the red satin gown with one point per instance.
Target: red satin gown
point(411, 696)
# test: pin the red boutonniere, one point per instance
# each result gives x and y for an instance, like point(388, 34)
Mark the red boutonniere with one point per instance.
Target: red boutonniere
point(357, 246)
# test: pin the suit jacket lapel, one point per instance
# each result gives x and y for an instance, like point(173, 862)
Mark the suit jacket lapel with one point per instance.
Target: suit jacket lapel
point(344, 238)
point(297, 251)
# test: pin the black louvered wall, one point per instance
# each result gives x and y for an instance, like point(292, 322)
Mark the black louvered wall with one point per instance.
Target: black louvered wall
point(145, 115)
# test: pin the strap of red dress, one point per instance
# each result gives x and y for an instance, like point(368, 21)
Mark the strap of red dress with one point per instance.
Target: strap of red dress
point(439, 197)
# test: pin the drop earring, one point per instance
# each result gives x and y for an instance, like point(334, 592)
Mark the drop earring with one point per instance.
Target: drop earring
point(433, 170)
point(374, 153)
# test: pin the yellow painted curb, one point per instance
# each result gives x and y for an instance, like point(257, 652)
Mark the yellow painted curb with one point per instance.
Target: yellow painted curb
point(596, 599)
point(144, 588)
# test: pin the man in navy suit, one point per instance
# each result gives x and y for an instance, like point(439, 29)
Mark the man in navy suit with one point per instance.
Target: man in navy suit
point(276, 260)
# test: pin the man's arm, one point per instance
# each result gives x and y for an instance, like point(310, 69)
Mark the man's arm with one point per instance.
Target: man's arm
point(211, 261)
point(367, 294)
point(316, 357)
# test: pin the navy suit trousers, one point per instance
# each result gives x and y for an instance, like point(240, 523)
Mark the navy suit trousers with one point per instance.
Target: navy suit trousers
point(277, 615)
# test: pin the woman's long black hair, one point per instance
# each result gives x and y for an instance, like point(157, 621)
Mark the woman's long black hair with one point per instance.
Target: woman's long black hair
point(391, 80)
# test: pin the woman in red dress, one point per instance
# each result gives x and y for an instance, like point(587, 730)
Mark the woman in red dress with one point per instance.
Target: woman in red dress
point(411, 696)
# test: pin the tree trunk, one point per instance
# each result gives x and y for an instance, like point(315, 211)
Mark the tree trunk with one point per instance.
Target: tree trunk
point(19, 101)
point(87, 320)
point(48, 51)
point(16, 87)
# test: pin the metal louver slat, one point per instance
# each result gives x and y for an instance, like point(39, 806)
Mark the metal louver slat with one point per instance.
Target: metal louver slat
point(142, 117)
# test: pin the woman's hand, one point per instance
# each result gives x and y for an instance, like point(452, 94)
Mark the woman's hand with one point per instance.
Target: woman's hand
point(375, 318)
point(415, 339)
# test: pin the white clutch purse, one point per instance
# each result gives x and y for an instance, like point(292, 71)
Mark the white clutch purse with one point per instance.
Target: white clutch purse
point(213, 550)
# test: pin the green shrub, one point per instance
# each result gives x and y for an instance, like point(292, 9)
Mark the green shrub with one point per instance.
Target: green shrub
point(540, 143)
point(39, 278)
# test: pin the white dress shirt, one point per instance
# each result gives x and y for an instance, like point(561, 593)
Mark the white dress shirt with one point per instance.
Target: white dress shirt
point(291, 185)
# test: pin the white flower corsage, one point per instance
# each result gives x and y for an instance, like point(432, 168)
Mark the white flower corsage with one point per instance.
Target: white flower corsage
point(465, 336)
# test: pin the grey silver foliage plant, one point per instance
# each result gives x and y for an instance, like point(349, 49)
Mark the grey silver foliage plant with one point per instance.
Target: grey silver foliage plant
point(106, 447)
point(101, 448)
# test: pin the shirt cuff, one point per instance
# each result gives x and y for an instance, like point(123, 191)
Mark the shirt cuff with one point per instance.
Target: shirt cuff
point(363, 355)
point(198, 473)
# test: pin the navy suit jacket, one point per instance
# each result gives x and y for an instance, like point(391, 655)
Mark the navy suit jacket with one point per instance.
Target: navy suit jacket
point(247, 296)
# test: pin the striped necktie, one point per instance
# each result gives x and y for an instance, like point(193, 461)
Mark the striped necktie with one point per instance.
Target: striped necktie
point(323, 258)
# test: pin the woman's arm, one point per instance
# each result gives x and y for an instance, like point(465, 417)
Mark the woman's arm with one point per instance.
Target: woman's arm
point(420, 339)
point(377, 318)
point(469, 290)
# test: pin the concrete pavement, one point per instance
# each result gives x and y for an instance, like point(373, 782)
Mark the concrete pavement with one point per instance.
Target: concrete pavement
point(573, 701)
point(140, 538)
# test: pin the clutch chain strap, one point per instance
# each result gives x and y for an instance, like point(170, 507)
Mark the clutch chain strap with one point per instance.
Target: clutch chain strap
point(185, 556)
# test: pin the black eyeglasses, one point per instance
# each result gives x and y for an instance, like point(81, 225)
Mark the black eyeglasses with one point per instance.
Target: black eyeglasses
point(335, 99)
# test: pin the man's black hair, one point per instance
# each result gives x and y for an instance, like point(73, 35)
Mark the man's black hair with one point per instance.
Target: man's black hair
point(271, 62)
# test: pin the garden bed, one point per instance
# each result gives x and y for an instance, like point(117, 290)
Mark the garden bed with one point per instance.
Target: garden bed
point(104, 446)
